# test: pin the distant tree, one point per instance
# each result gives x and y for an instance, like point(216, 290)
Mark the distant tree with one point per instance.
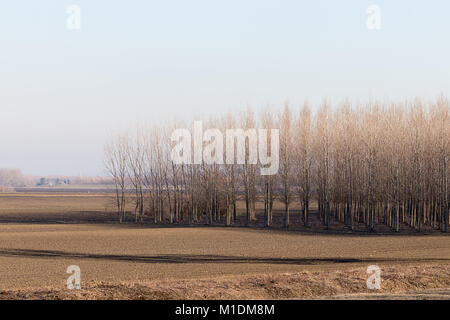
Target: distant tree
point(116, 164)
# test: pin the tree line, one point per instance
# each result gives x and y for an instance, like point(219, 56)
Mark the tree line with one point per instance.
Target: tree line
point(369, 163)
point(13, 178)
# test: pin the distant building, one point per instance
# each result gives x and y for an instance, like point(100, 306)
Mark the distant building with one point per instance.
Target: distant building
point(53, 181)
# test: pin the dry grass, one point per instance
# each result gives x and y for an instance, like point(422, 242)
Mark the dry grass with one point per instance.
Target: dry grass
point(56, 207)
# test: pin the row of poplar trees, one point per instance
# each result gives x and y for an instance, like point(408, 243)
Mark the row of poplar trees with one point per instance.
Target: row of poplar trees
point(371, 163)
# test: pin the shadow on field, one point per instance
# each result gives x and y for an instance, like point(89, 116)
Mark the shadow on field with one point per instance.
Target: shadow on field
point(180, 258)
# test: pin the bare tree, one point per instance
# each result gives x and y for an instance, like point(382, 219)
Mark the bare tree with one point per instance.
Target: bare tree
point(303, 161)
point(285, 124)
point(116, 165)
point(364, 164)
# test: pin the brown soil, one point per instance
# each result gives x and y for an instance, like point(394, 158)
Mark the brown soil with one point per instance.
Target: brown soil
point(41, 235)
point(405, 282)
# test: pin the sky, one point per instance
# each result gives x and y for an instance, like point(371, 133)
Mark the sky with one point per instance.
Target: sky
point(63, 91)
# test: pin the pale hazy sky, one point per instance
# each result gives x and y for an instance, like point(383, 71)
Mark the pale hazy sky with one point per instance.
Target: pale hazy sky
point(62, 91)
